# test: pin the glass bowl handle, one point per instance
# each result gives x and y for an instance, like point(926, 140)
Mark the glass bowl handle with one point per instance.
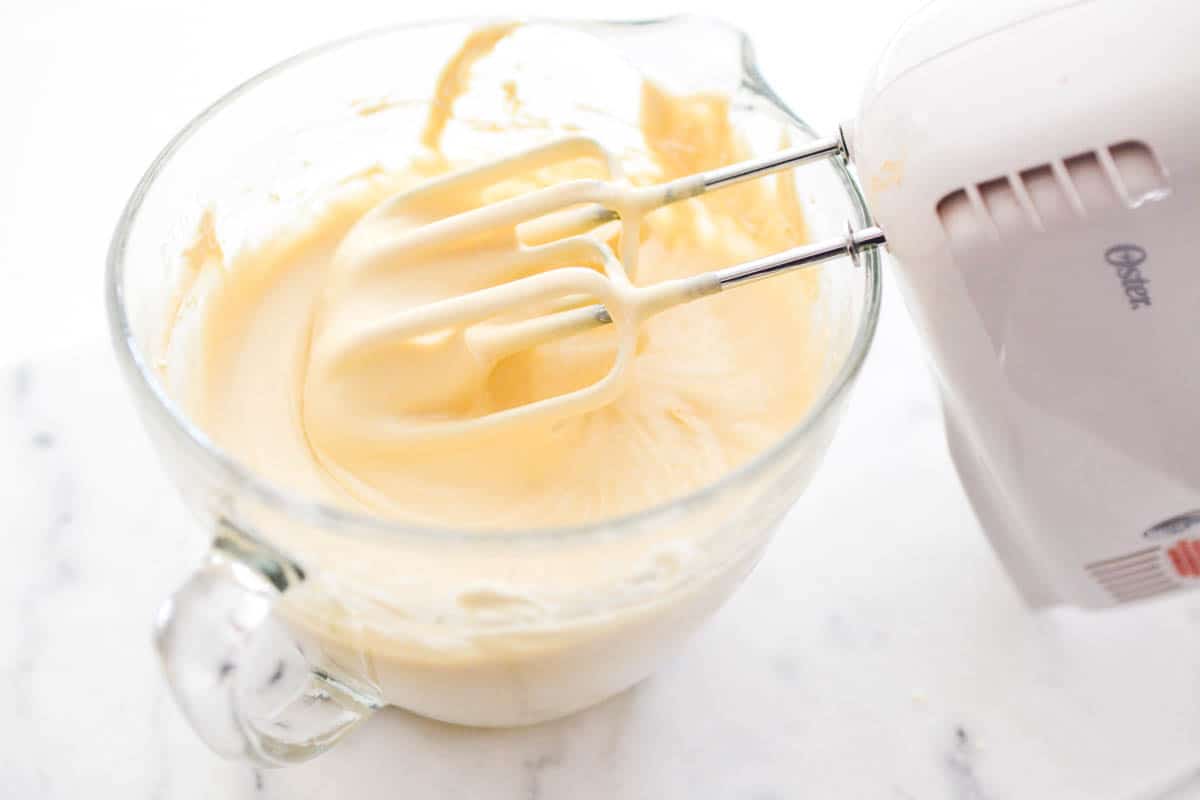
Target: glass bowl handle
point(243, 682)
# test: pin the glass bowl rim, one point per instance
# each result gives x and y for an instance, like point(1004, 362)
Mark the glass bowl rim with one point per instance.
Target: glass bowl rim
point(148, 387)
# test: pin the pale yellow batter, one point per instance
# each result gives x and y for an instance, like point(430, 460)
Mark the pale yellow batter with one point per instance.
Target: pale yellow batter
point(712, 383)
point(488, 630)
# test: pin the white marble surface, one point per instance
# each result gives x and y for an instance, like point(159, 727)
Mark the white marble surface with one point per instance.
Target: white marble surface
point(877, 652)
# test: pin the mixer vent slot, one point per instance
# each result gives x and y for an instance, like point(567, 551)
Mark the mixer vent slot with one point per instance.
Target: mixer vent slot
point(1136, 576)
point(1125, 175)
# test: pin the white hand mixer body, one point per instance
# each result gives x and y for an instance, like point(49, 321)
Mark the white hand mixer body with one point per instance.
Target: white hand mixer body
point(1034, 164)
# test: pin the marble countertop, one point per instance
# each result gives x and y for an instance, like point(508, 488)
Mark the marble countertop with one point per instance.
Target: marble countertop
point(878, 651)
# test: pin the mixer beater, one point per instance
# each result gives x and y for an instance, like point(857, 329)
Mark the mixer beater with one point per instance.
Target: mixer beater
point(555, 239)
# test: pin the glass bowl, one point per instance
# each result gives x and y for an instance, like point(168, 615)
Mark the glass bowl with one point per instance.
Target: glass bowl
point(277, 646)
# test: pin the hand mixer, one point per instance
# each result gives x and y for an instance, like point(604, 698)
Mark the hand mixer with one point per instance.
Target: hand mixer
point(1034, 164)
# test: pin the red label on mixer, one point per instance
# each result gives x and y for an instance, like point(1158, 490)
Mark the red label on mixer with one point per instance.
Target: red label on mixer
point(1185, 556)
